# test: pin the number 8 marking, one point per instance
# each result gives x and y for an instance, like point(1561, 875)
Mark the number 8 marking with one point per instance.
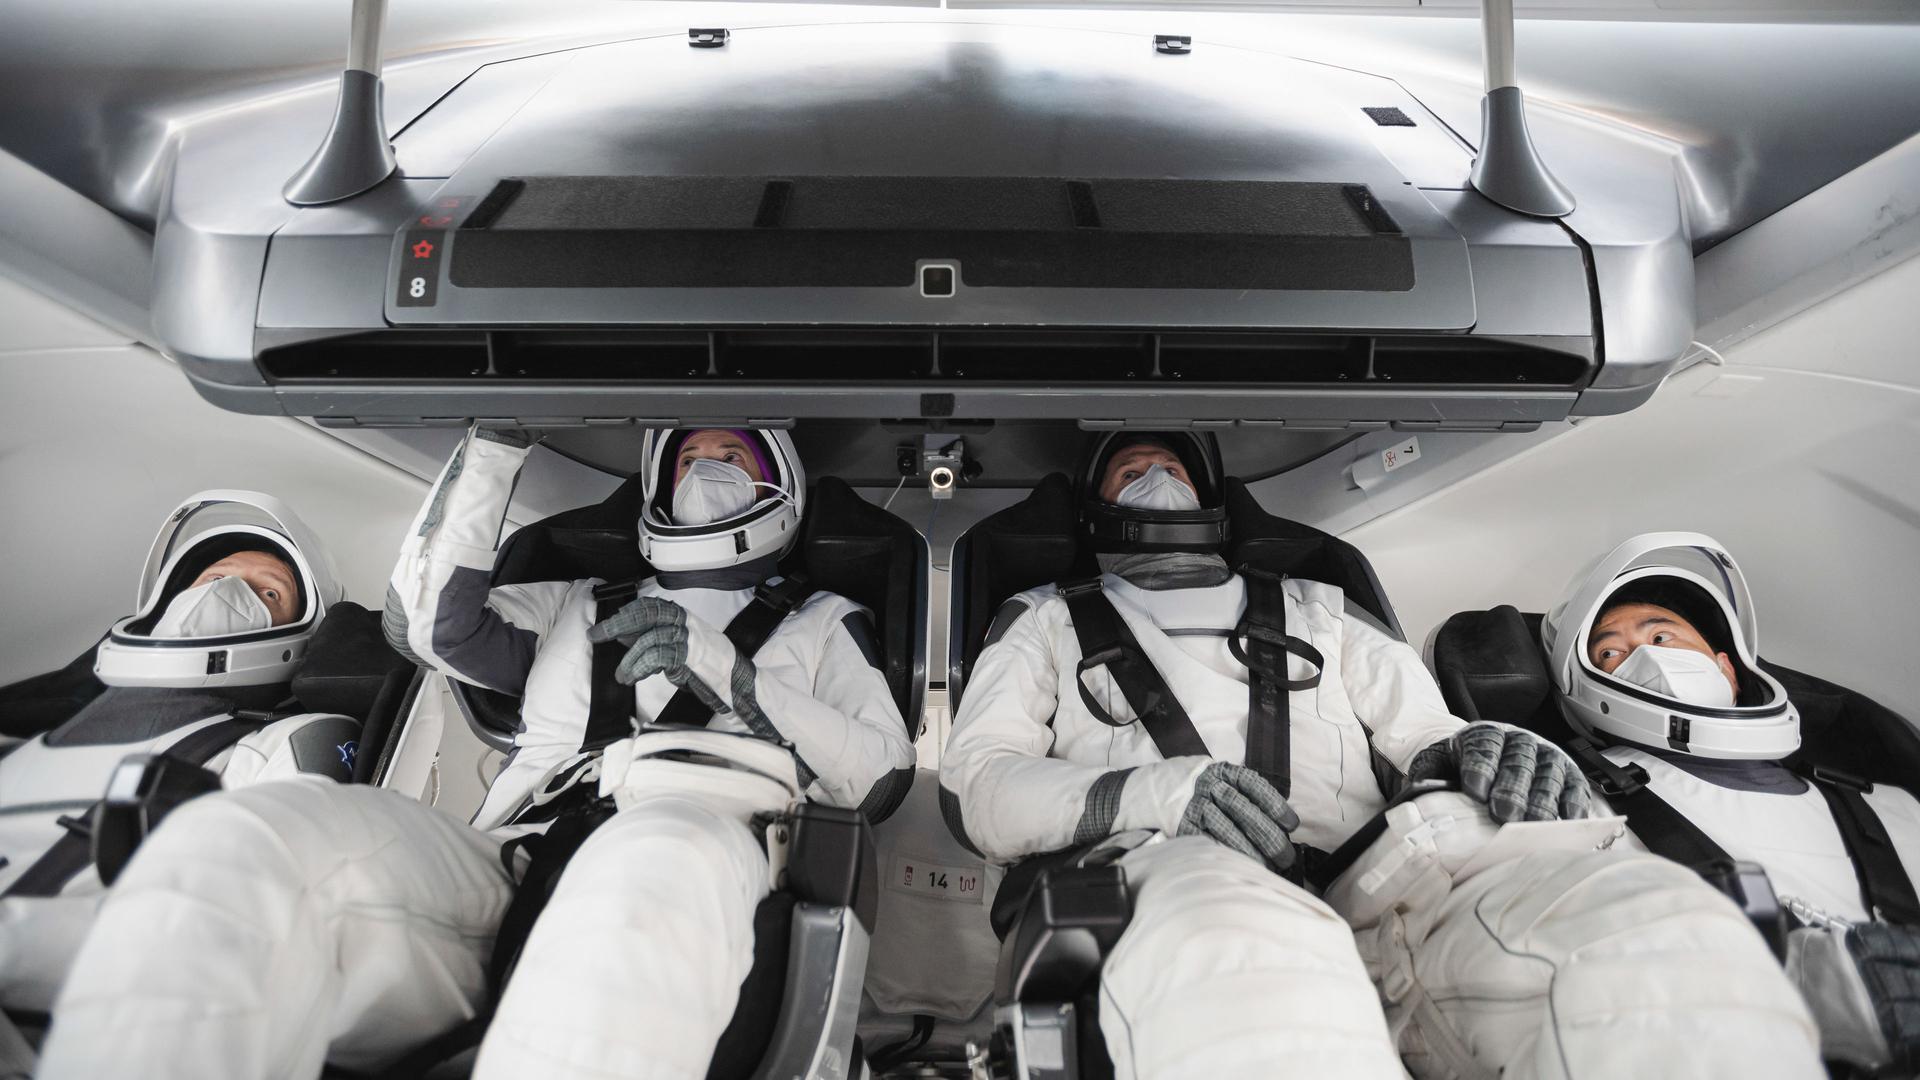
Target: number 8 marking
point(418, 288)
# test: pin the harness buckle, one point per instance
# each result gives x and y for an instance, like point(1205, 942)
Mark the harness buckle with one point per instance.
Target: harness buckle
point(1619, 782)
point(1070, 589)
point(1828, 774)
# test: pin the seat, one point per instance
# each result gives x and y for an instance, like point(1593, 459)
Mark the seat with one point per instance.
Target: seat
point(1057, 915)
point(799, 1003)
point(843, 540)
point(1491, 666)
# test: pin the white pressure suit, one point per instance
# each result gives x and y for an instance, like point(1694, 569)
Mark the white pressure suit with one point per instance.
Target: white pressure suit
point(350, 924)
point(1556, 960)
point(206, 699)
point(64, 772)
point(1719, 767)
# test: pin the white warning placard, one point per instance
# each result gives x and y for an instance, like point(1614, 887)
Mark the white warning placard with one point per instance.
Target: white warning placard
point(960, 884)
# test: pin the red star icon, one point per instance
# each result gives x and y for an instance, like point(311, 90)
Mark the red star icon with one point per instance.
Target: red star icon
point(423, 249)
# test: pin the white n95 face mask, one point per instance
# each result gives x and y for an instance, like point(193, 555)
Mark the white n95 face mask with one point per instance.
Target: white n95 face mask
point(226, 605)
point(1681, 674)
point(711, 491)
point(1158, 489)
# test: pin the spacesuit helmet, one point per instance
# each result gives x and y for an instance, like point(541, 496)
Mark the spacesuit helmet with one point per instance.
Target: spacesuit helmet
point(719, 516)
point(1153, 525)
point(186, 635)
point(1670, 698)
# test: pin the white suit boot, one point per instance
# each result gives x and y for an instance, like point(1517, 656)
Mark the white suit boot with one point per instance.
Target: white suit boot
point(257, 929)
point(634, 968)
point(1229, 970)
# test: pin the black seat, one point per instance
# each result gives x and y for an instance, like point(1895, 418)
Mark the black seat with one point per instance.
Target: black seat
point(812, 934)
point(1491, 666)
point(351, 670)
point(1036, 542)
point(847, 546)
point(1059, 915)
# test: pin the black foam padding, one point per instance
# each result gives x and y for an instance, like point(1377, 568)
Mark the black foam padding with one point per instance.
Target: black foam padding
point(1388, 116)
point(43, 702)
point(1017, 232)
point(1849, 731)
point(848, 546)
point(1489, 667)
point(1264, 542)
point(1485, 660)
point(1032, 543)
point(832, 862)
point(347, 663)
point(757, 1011)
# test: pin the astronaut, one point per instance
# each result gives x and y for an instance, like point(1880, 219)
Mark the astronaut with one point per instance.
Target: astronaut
point(349, 925)
point(1654, 655)
point(1515, 950)
point(232, 593)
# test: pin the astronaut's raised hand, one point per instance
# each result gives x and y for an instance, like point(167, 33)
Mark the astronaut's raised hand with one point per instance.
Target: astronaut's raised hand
point(1237, 807)
point(661, 639)
point(1520, 776)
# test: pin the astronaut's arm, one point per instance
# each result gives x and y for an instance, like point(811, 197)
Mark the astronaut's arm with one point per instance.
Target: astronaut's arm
point(320, 745)
point(440, 611)
point(1001, 793)
point(1392, 694)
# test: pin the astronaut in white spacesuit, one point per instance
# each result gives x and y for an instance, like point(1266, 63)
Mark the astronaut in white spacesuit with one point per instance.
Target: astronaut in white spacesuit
point(305, 924)
point(232, 593)
point(1556, 959)
point(1654, 655)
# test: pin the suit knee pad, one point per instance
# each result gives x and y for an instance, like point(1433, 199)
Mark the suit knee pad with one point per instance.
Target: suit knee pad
point(1602, 962)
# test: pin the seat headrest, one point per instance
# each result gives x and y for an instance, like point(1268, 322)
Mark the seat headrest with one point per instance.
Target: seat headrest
point(346, 663)
point(1489, 666)
point(1266, 542)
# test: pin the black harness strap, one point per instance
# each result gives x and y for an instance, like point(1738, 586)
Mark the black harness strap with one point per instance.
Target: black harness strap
point(1269, 723)
point(1885, 886)
point(748, 630)
point(609, 703)
point(1666, 831)
point(73, 852)
point(1105, 640)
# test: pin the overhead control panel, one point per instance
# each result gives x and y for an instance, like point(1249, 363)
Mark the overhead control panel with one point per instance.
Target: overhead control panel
point(937, 221)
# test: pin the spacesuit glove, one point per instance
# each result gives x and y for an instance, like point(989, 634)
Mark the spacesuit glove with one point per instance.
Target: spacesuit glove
point(1520, 776)
point(1888, 960)
point(1236, 806)
point(662, 639)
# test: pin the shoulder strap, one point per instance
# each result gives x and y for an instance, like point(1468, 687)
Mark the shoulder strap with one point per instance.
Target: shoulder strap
point(73, 852)
point(609, 704)
point(1884, 884)
point(610, 713)
point(1106, 640)
point(1269, 723)
point(1666, 831)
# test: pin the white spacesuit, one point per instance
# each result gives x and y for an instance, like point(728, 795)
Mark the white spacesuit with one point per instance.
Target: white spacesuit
point(351, 925)
point(1654, 655)
point(1543, 958)
point(196, 672)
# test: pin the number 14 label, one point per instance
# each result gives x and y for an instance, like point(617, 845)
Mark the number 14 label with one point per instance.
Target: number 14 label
point(960, 884)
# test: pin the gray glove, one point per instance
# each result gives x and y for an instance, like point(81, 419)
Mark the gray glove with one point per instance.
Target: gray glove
point(1519, 775)
point(1236, 806)
point(656, 633)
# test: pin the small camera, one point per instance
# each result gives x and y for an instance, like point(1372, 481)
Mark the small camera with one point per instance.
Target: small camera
point(945, 467)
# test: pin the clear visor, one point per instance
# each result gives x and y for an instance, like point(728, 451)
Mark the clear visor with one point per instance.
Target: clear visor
point(1712, 566)
point(194, 522)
